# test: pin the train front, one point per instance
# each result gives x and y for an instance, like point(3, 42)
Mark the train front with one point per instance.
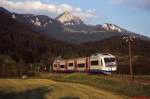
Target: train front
point(110, 64)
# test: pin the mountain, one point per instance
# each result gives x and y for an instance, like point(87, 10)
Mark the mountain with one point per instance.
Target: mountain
point(22, 38)
point(55, 29)
point(77, 24)
point(111, 27)
point(76, 32)
point(68, 19)
point(39, 23)
point(22, 43)
point(3, 10)
point(92, 32)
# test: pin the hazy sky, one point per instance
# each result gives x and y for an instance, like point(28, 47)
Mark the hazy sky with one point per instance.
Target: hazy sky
point(133, 15)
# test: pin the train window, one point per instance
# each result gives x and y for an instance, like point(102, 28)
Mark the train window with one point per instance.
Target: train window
point(82, 65)
point(107, 60)
point(70, 64)
point(62, 66)
point(55, 65)
point(94, 62)
point(101, 62)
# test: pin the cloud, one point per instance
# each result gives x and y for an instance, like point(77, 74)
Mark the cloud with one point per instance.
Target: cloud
point(144, 4)
point(55, 9)
point(88, 14)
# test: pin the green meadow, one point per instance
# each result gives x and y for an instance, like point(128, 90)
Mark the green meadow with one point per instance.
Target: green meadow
point(74, 86)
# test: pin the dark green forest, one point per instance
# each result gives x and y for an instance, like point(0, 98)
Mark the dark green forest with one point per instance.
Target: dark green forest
point(24, 51)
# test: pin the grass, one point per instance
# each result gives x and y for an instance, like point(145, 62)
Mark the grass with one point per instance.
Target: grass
point(24, 89)
point(47, 89)
point(102, 82)
point(73, 86)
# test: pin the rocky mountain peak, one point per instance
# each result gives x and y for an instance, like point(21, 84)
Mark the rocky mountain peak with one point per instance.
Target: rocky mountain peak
point(3, 10)
point(67, 18)
point(111, 27)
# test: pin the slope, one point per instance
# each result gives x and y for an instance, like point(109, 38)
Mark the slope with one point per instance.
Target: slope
point(21, 42)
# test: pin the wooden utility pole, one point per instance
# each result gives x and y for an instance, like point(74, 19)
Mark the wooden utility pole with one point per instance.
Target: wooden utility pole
point(130, 39)
point(130, 60)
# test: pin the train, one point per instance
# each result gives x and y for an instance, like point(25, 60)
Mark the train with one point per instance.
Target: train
point(96, 63)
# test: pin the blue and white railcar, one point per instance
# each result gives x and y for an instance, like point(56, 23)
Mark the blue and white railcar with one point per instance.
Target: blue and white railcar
point(96, 63)
point(105, 63)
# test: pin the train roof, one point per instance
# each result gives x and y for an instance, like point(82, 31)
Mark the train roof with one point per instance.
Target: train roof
point(101, 55)
point(93, 55)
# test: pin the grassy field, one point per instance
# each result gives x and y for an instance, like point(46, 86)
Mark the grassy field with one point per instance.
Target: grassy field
point(48, 89)
point(74, 86)
point(114, 84)
point(24, 89)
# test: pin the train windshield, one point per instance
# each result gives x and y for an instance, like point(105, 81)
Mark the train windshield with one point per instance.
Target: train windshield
point(109, 60)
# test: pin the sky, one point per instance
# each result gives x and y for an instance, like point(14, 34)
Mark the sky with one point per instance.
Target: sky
point(133, 15)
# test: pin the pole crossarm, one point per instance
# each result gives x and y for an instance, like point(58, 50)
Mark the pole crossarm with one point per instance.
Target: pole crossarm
point(129, 38)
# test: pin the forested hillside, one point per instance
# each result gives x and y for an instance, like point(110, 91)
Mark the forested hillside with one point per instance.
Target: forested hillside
point(22, 48)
